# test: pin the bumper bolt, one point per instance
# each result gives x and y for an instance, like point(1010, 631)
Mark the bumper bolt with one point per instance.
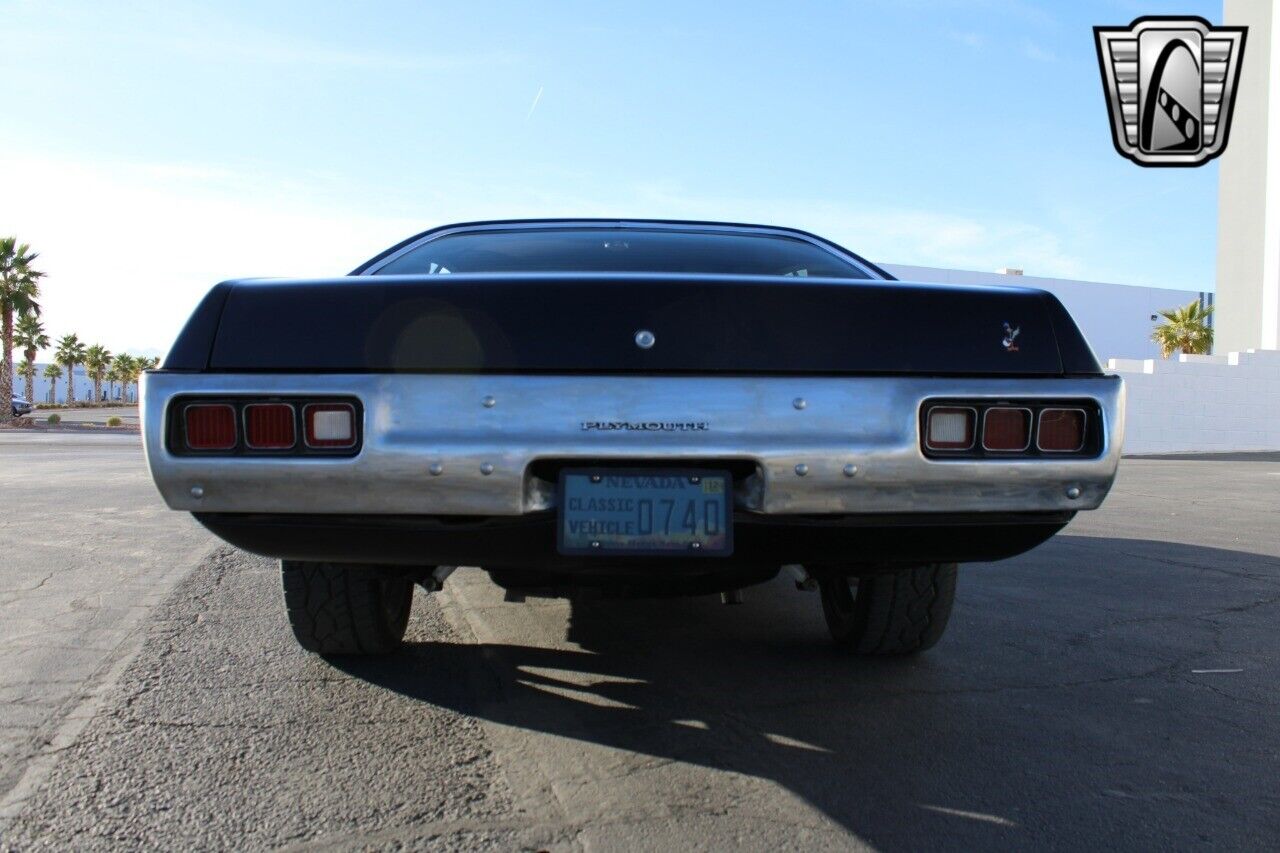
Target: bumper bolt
point(799, 403)
point(486, 468)
point(802, 469)
point(850, 470)
point(695, 545)
point(489, 401)
point(1073, 492)
point(595, 478)
point(197, 492)
point(595, 544)
point(695, 480)
point(436, 469)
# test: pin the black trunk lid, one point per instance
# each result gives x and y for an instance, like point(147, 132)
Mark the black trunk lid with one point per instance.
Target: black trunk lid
point(588, 323)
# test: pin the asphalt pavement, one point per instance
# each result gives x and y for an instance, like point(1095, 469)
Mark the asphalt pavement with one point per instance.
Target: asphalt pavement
point(87, 550)
point(1114, 688)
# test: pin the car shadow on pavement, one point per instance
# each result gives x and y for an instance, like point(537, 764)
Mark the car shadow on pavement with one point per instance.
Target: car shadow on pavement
point(1096, 690)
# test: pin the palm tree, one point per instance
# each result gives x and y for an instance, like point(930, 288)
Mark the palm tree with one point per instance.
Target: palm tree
point(97, 359)
point(53, 373)
point(30, 338)
point(70, 352)
point(141, 363)
point(113, 376)
point(125, 366)
point(1185, 329)
point(27, 370)
point(19, 287)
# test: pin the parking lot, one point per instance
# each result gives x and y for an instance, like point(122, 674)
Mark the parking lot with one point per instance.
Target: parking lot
point(1115, 687)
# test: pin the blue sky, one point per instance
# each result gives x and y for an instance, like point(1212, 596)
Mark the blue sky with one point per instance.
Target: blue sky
point(153, 149)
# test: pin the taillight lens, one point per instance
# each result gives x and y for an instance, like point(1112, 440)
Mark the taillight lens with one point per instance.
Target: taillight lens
point(330, 425)
point(210, 426)
point(1061, 430)
point(1006, 429)
point(269, 426)
point(950, 428)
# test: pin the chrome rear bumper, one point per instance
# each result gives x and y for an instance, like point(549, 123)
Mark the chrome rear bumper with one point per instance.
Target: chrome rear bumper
point(414, 424)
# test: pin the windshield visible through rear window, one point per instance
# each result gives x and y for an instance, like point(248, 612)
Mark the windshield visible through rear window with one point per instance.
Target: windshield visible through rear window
point(620, 250)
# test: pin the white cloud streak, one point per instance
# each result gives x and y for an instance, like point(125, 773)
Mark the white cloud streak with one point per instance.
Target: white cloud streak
point(973, 40)
point(1035, 52)
point(208, 35)
point(270, 49)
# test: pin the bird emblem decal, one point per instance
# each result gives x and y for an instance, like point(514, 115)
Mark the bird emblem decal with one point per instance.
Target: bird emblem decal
point(1011, 333)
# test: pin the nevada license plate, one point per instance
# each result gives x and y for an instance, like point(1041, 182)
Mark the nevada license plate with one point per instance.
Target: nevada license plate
point(639, 512)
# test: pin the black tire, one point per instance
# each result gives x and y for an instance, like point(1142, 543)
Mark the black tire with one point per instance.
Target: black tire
point(346, 609)
point(898, 613)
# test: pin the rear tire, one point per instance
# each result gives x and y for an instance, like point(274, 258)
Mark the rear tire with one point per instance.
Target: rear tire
point(899, 613)
point(346, 609)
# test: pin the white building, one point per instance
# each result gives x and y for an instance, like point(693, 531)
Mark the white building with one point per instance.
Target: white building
point(1249, 189)
point(44, 388)
point(1117, 319)
point(1227, 402)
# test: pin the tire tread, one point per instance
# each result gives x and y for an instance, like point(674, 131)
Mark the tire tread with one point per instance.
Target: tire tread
point(900, 612)
point(337, 609)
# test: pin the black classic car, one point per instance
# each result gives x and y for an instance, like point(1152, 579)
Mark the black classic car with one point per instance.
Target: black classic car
point(640, 408)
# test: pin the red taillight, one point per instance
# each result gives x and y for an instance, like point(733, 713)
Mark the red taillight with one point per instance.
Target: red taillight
point(269, 426)
point(1061, 430)
point(330, 425)
point(210, 426)
point(950, 428)
point(1006, 429)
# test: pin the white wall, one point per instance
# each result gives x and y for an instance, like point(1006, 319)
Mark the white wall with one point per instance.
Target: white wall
point(1249, 189)
point(1115, 318)
point(1202, 402)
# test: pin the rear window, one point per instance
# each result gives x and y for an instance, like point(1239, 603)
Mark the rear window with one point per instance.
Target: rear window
point(620, 250)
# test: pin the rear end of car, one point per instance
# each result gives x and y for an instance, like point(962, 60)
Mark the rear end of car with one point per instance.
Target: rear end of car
point(640, 433)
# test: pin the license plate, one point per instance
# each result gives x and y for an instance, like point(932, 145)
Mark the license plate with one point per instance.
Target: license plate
point(642, 512)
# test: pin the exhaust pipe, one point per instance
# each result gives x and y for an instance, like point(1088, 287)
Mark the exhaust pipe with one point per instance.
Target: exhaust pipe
point(804, 581)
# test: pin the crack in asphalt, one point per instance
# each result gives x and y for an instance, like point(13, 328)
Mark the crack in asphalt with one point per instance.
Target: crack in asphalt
point(1207, 616)
point(22, 589)
point(1273, 577)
